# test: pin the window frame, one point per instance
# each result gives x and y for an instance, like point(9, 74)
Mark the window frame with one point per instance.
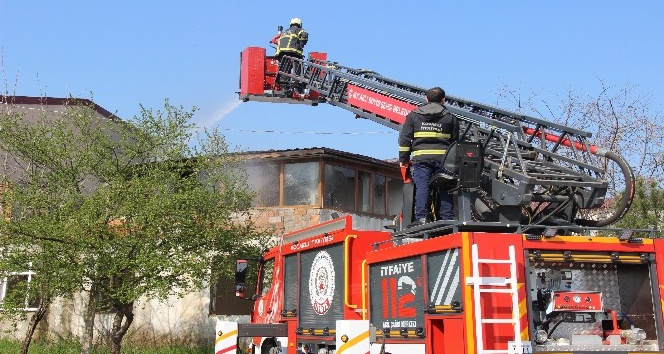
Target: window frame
point(355, 188)
point(5, 282)
point(373, 172)
point(282, 183)
point(359, 168)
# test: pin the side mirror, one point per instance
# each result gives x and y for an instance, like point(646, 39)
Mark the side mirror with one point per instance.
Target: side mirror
point(240, 278)
point(240, 291)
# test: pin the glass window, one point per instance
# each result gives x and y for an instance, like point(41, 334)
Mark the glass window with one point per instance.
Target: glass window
point(15, 288)
point(291, 282)
point(379, 194)
point(364, 192)
point(394, 196)
point(267, 276)
point(301, 183)
point(339, 188)
point(264, 181)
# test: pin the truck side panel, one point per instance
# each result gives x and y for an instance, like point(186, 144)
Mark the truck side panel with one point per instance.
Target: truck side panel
point(659, 285)
point(397, 294)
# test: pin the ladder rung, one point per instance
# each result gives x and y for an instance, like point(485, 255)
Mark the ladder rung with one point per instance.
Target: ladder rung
point(502, 291)
point(497, 281)
point(498, 320)
point(494, 261)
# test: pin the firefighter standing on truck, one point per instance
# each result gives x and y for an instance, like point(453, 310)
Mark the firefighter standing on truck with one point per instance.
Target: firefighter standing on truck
point(290, 43)
point(426, 135)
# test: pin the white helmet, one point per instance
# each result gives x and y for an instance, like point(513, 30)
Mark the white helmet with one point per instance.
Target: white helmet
point(296, 21)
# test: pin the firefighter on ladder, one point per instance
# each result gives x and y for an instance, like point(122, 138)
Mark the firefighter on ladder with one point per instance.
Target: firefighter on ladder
point(290, 43)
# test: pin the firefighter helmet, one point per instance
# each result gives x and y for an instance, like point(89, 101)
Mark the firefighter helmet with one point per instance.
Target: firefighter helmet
point(296, 21)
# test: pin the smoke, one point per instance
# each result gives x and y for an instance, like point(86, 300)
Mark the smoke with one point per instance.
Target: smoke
point(219, 114)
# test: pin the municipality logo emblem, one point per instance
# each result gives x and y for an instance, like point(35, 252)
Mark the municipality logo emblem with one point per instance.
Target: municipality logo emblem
point(321, 283)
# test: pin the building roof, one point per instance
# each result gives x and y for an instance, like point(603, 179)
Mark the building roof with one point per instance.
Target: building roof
point(316, 152)
point(44, 102)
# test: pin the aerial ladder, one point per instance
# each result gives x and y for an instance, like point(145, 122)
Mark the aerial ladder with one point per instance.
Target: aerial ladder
point(534, 172)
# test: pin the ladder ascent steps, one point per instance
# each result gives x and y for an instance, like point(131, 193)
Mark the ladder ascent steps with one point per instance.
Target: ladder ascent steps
point(497, 291)
point(482, 285)
point(494, 261)
point(498, 320)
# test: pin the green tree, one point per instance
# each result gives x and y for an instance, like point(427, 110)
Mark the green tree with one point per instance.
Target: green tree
point(647, 210)
point(121, 210)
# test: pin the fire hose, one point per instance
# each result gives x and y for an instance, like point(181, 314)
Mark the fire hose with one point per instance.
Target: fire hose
point(625, 169)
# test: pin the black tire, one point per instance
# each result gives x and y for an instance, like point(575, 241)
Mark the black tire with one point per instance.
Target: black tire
point(268, 344)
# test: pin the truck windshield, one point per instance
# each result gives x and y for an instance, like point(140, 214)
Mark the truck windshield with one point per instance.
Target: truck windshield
point(267, 274)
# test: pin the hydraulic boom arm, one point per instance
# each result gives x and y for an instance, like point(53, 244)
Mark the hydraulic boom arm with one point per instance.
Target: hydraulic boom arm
point(535, 172)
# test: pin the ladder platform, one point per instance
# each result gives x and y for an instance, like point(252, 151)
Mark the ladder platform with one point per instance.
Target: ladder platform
point(279, 97)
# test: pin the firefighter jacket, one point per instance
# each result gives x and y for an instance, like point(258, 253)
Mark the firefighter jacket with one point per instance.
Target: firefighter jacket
point(292, 41)
point(427, 133)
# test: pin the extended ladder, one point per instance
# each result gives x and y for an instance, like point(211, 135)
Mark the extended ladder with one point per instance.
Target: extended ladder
point(482, 285)
point(523, 154)
point(527, 177)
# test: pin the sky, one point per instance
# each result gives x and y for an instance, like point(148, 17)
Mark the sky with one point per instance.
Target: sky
point(124, 54)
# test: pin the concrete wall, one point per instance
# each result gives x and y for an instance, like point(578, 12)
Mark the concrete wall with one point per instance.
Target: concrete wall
point(183, 321)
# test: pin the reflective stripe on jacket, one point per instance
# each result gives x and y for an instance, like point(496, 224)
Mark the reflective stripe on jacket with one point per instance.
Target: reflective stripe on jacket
point(427, 133)
point(292, 40)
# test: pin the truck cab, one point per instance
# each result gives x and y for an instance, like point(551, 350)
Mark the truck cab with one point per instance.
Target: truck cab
point(313, 278)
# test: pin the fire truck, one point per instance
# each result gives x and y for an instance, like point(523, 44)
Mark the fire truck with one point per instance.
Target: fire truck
point(529, 266)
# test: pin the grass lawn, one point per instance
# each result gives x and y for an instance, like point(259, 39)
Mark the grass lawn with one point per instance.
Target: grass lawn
point(9, 346)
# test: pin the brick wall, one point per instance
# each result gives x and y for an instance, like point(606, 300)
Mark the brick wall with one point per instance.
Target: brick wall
point(277, 221)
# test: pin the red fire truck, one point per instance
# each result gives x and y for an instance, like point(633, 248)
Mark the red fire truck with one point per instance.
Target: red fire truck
point(526, 268)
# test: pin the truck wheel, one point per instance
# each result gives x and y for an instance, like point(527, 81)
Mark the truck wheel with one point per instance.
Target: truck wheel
point(267, 345)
